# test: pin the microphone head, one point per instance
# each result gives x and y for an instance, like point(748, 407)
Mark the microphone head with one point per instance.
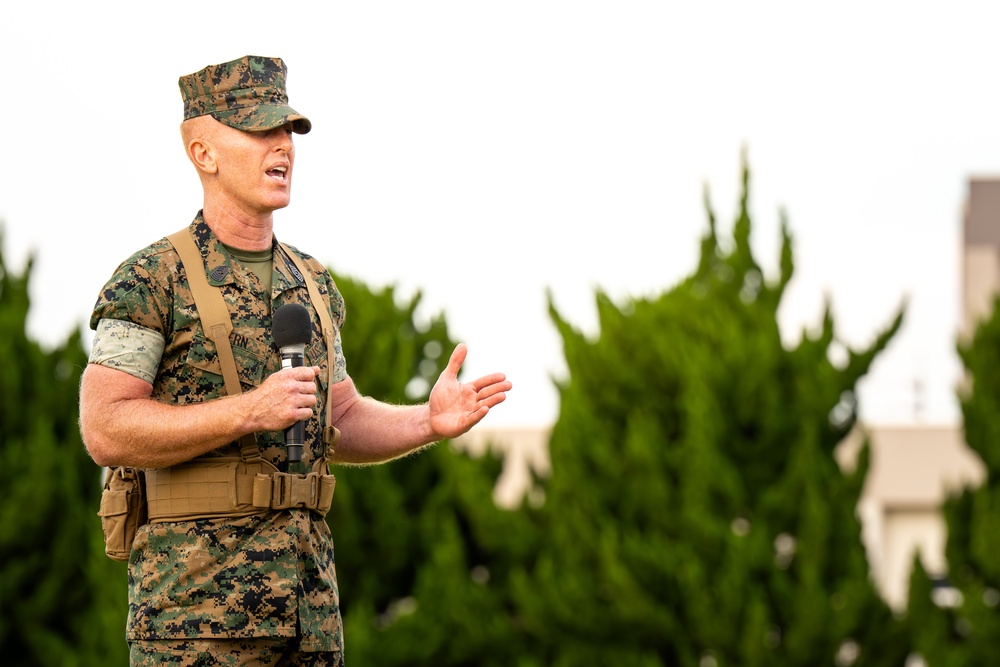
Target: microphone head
point(291, 325)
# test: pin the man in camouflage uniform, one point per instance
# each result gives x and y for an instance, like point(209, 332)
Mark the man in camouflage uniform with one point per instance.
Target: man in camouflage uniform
point(256, 588)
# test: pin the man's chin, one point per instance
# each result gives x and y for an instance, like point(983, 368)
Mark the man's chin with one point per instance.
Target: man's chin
point(280, 203)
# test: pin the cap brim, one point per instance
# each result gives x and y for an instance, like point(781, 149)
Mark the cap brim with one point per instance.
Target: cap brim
point(263, 117)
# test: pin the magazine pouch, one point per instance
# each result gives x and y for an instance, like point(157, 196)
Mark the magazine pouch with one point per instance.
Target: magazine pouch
point(123, 510)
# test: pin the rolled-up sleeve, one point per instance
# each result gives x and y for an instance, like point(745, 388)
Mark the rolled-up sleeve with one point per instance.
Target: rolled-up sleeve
point(128, 347)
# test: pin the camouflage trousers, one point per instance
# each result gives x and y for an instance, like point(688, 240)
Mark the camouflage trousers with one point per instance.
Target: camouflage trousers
point(258, 652)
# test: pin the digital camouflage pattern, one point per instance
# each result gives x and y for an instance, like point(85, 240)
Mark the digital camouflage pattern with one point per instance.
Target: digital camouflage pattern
point(258, 576)
point(247, 93)
point(227, 653)
point(255, 576)
point(128, 347)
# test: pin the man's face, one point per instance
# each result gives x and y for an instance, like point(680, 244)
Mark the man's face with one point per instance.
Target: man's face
point(255, 168)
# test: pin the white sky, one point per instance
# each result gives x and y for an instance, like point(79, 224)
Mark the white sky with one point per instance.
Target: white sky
point(487, 151)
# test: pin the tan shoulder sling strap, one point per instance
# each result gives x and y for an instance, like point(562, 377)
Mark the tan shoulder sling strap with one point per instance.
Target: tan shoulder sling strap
point(218, 324)
point(215, 321)
point(330, 433)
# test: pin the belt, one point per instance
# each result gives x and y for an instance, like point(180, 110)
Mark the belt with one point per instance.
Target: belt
point(214, 487)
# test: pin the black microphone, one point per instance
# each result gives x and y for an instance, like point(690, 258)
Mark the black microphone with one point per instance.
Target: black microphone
point(292, 328)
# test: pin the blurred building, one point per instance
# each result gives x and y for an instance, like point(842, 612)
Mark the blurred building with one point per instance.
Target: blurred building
point(913, 467)
point(980, 252)
point(912, 470)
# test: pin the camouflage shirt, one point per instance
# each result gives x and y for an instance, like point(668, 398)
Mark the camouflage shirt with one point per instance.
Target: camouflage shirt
point(269, 575)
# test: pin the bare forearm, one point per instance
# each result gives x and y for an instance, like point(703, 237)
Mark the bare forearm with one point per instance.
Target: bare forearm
point(122, 425)
point(149, 434)
point(374, 432)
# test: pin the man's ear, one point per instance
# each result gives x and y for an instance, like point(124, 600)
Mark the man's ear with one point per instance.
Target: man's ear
point(202, 155)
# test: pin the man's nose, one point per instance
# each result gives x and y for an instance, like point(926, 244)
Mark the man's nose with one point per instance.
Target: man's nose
point(282, 138)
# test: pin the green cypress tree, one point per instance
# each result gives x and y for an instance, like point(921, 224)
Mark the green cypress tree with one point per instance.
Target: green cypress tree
point(963, 631)
point(58, 592)
point(695, 514)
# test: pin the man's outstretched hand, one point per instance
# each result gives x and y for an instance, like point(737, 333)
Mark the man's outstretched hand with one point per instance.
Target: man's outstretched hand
point(455, 406)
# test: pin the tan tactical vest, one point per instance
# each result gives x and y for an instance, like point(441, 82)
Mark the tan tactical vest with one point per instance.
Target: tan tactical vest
point(209, 487)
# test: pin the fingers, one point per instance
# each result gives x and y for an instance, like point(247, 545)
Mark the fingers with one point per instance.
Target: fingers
point(302, 373)
point(287, 396)
point(492, 401)
point(474, 418)
point(492, 398)
point(456, 361)
point(491, 391)
point(301, 379)
point(301, 384)
point(497, 379)
point(455, 406)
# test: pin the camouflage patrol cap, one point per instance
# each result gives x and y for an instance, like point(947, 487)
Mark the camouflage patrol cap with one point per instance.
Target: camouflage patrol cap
point(247, 93)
